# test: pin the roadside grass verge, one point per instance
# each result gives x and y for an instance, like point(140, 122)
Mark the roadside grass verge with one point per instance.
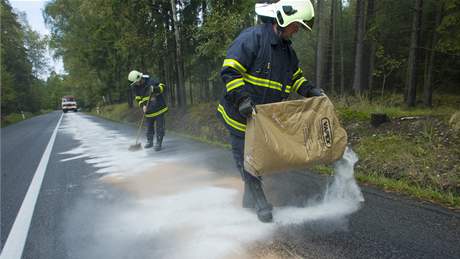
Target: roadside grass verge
point(447, 199)
point(118, 112)
point(17, 117)
point(410, 164)
point(359, 108)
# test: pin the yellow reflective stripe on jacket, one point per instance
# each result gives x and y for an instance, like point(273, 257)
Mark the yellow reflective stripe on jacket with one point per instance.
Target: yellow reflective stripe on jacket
point(139, 100)
point(143, 100)
point(297, 73)
point(262, 82)
point(233, 123)
point(298, 83)
point(161, 87)
point(233, 63)
point(234, 84)
point(258, 81)
point(288, 89)
point(165, 109)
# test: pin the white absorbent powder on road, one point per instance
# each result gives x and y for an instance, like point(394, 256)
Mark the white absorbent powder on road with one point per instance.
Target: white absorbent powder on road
point(181, 209)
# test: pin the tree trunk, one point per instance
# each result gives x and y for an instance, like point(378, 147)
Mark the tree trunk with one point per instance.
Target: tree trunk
point(428, 80)
point(413, 54)
point(370, 78)
point(357, 75)
point(367, 47)
point(383, 84)
point(333, 40)
point(207, 92)
point(179, 59)
point(210, 89)
point(319, 45)
point(130, 97)
point(342, 66)
point(190, 89)
point(371, 46)
point(172, 88)
point(204, 13)
point(201, 90)
point(204, 80)
point(168, 60)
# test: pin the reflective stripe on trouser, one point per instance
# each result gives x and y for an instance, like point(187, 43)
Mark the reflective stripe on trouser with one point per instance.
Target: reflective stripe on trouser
point(154, 114)
point(238, 155)
point(155, 124)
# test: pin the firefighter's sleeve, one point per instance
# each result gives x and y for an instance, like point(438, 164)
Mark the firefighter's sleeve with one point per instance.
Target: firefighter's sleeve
point(157, 88)
point(161, 88)
point(142, 97)
point(142, 100)
point(240, 55)
point(302, 86)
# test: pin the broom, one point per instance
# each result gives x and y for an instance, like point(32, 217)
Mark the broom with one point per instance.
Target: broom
point(137, 145)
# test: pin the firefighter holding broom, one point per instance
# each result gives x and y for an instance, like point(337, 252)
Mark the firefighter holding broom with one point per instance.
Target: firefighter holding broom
point(149, 96)
point(261, 67)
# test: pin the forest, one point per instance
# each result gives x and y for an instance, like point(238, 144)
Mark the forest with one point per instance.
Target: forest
point(365, 48)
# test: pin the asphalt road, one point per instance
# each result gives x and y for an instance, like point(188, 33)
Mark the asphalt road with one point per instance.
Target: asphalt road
point(98, 200)
point(22, 146)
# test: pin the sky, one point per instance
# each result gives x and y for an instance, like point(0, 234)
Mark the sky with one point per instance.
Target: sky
point(33, 10)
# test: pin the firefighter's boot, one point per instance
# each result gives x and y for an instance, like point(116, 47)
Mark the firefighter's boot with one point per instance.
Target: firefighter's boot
point(149, 144)
point(158, 143)
point(263, 208)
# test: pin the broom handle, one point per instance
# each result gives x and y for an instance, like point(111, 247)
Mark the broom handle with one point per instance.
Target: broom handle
point(140, 127)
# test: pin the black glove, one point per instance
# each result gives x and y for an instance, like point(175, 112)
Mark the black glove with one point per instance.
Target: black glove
point(245, 107)
point(315, 91)
point(155, 89)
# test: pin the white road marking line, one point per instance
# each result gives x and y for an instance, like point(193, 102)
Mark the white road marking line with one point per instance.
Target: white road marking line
point(16, 240)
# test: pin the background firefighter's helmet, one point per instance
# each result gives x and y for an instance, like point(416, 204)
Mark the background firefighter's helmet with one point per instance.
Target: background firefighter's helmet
point(286, 12)
point(134, 76)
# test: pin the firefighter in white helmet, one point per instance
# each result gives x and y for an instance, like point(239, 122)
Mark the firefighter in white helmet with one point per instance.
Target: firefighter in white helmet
point(261, 67)
point(149, 96)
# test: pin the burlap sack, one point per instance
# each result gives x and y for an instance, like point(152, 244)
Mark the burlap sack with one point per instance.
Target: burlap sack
point(293, 134)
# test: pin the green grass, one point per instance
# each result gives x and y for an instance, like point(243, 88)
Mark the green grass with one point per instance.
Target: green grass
point(11, 119)
point(17, 117)
point(359, 108)
point(420, 159)
point(118, 112)
point(401, 186)
point(323, 169)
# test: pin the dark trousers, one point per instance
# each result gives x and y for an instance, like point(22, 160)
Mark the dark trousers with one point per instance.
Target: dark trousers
point(157, 122)
point(238, 154)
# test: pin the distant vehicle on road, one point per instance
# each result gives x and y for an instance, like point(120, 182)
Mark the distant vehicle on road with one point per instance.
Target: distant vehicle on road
point(69, 104)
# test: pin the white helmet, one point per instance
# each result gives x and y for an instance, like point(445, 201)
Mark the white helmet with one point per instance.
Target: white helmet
point(288, 11)
point(134, 76)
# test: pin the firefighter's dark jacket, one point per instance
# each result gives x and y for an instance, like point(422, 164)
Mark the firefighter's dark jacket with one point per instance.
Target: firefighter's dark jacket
point(262, 66)
point(143, 93)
